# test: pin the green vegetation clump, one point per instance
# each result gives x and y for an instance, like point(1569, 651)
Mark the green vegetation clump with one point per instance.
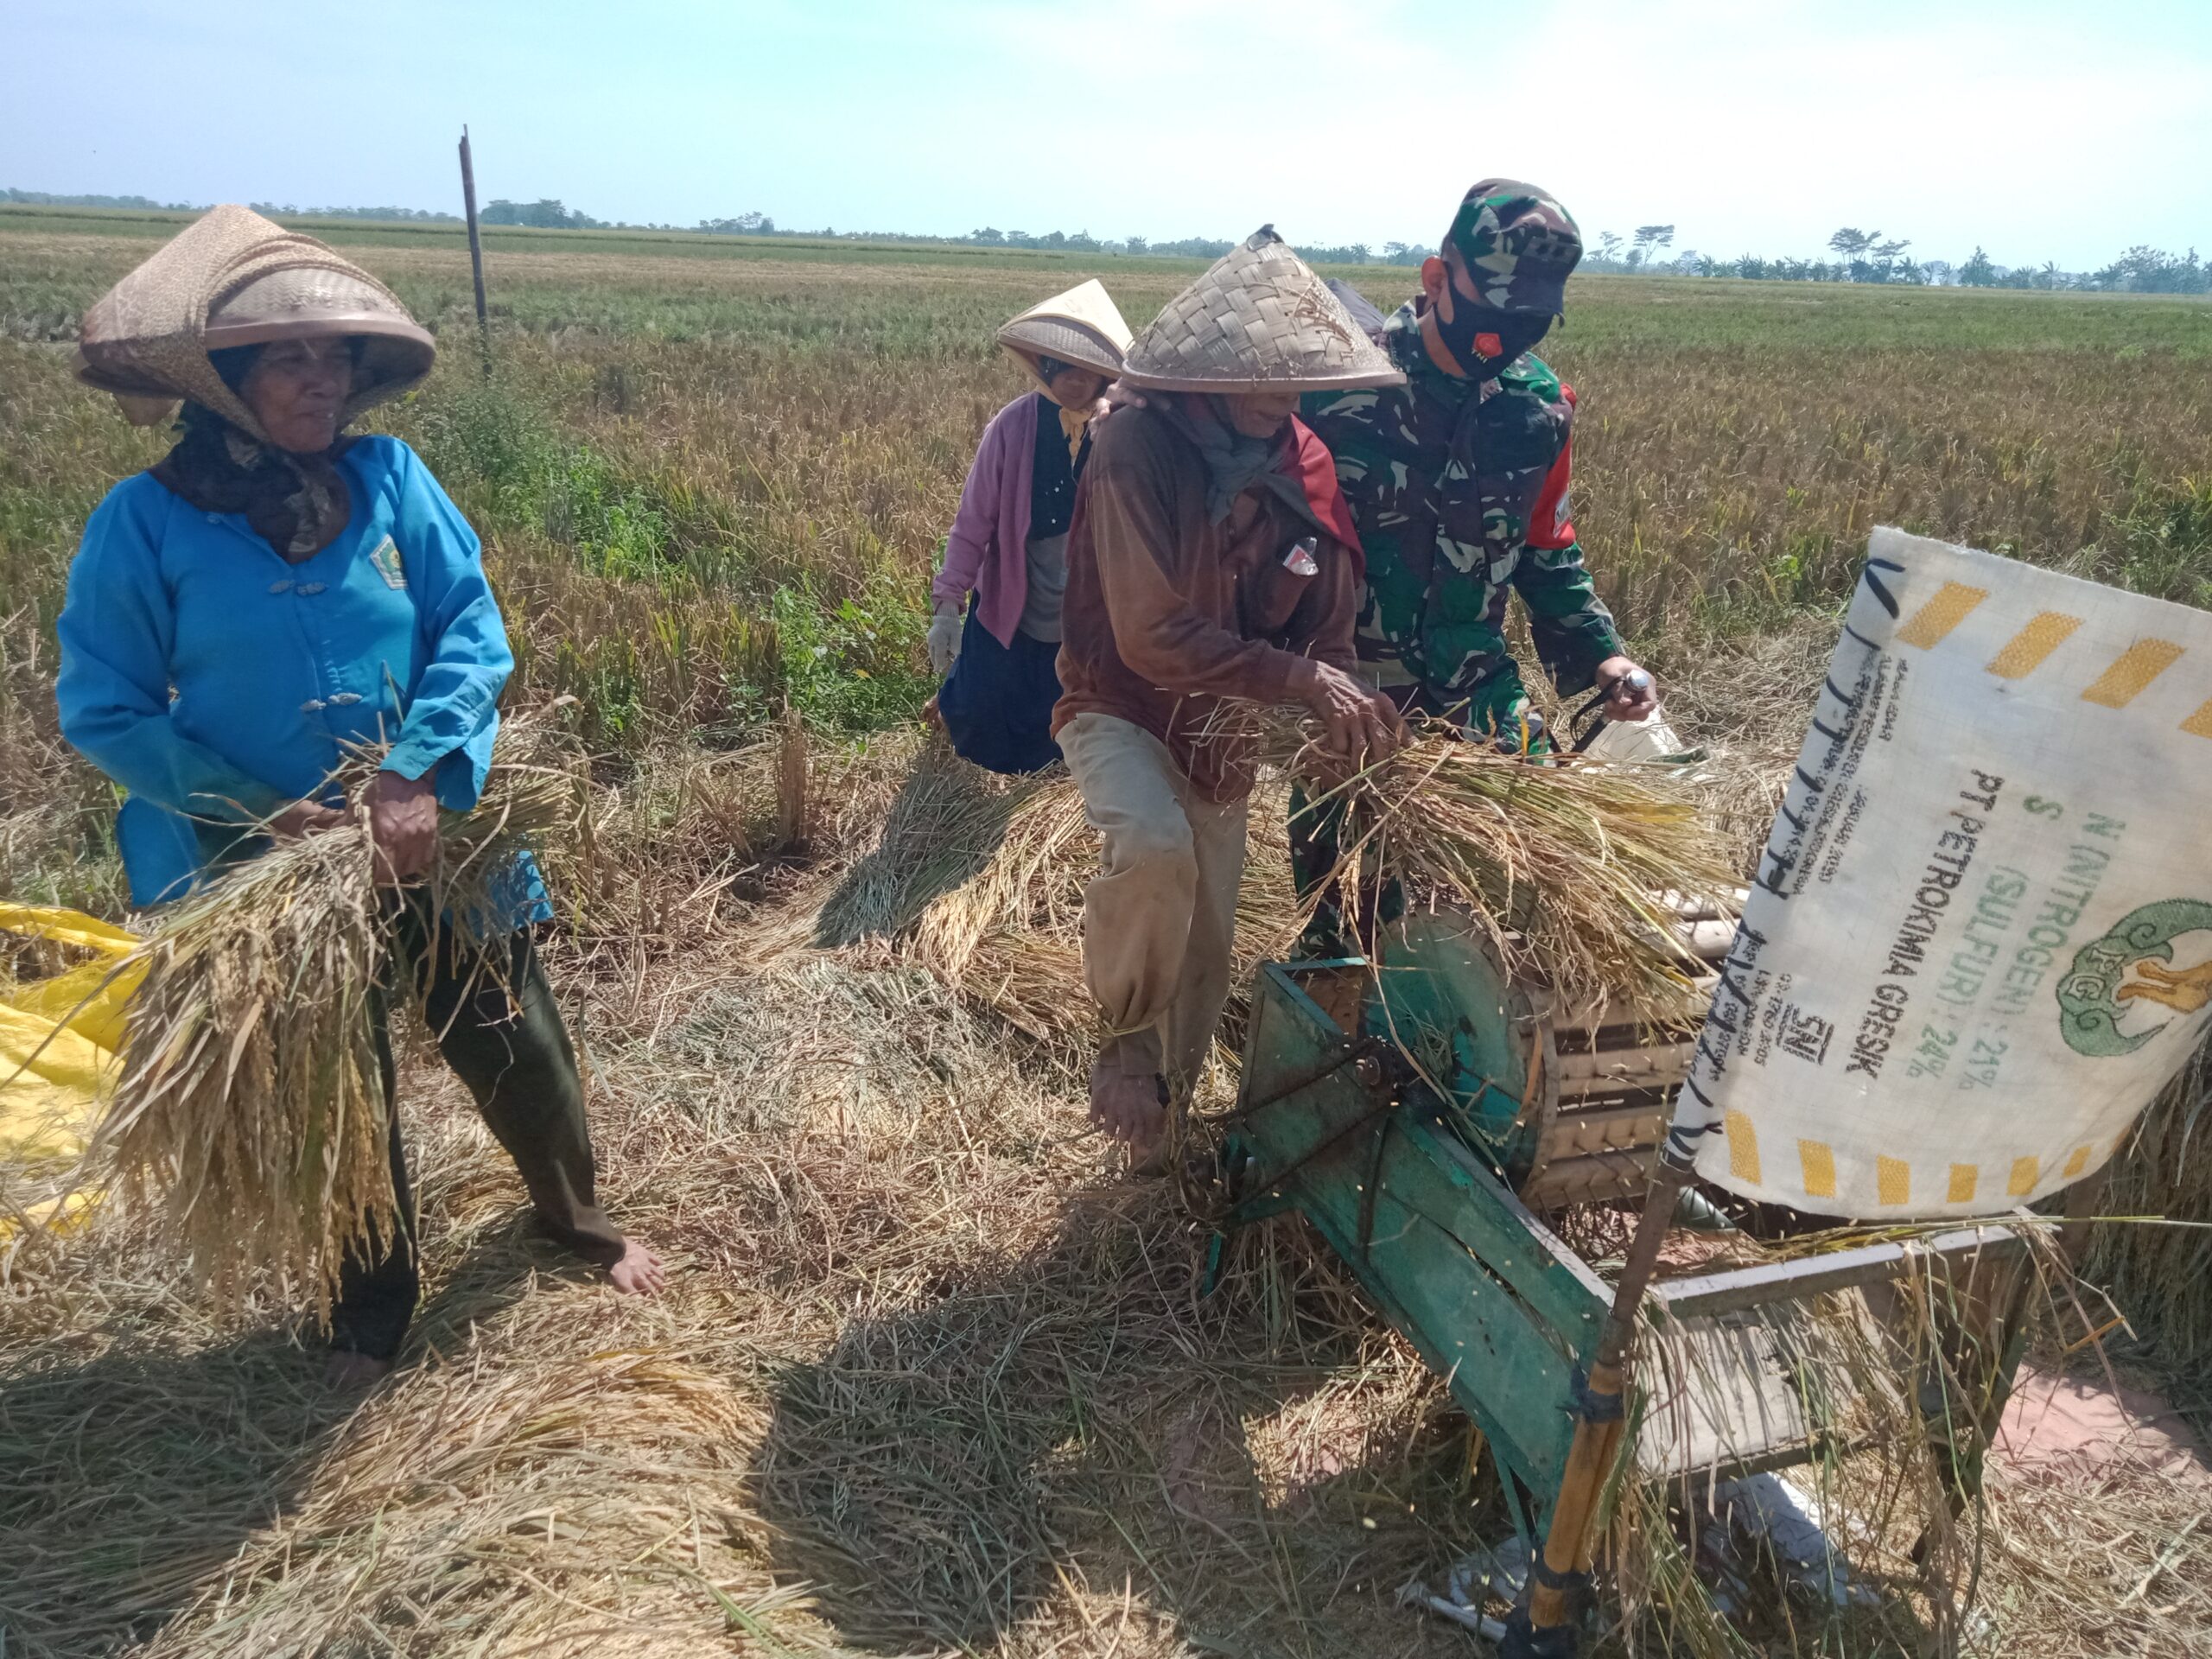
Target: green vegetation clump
point(735, 637)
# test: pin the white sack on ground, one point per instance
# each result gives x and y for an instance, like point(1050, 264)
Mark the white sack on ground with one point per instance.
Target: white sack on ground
point(1980, 939)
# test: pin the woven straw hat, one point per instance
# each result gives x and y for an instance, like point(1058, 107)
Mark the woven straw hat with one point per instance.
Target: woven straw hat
point(233, 278)
point(1259, 321)
point(1082, 326)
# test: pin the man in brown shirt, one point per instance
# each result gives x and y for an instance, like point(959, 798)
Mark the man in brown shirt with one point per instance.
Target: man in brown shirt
point(1211, 563)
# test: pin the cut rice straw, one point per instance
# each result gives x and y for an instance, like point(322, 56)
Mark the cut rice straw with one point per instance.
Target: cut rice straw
point(980, 880)
point(249, 1118)
point(1905, 1381)
point(1574, 869)
point(1571, 869)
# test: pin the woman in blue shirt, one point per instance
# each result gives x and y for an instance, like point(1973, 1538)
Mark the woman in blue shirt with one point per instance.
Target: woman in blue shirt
point(272, 595)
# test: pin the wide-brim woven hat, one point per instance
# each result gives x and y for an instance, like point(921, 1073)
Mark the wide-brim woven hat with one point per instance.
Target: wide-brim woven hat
point(233, 278)
point(1083, 326)
point(1259, 321)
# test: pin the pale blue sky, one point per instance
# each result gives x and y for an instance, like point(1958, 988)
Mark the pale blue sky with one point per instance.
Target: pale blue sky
point(2039, 129)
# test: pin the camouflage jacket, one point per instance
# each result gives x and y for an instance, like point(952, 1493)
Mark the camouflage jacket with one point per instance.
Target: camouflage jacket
point(1459, 490)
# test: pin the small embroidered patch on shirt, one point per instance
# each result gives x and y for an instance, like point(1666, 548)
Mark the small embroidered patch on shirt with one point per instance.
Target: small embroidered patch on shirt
point(389, 565)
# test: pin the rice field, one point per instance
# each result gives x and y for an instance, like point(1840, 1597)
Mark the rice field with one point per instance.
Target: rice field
point(933, 1379)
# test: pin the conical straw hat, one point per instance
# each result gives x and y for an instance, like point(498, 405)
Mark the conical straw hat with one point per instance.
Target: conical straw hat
point(1081, 326)
point(233, 278)
point(1259, 321)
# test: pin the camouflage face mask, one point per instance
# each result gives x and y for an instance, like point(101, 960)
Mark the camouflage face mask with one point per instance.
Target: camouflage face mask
point(1482, 339)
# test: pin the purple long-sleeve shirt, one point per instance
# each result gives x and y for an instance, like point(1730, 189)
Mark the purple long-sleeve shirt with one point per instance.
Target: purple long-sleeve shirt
point(987, 549)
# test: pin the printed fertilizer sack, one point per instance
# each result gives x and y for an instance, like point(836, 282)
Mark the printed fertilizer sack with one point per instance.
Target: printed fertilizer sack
point(1980, 937)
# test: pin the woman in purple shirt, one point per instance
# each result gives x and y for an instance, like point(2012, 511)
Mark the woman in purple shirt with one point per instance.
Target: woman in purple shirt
point(1006, 558)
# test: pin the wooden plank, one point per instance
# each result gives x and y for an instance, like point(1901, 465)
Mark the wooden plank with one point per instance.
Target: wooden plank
point(1504, 1233)
point(1601, 1070)
point(1717, 1292)
point(1497, 1358)
point(1447, 1254)
point(1600, 1178)
point(1717, 1392)
point(1605, 1129)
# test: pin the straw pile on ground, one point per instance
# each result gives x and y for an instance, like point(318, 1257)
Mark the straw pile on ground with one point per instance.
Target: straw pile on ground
point(248, 1120)
point(932, 1376)
point(979, 880)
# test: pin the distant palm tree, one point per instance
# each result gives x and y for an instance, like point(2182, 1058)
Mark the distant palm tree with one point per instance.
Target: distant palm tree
point(1649, 239)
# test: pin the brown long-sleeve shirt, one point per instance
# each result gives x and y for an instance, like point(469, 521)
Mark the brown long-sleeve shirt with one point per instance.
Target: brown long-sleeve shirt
point(1168, 613)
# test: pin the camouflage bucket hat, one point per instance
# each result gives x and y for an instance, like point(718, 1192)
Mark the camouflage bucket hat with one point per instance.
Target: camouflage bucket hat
point(1258, 320)
point(1518, 245)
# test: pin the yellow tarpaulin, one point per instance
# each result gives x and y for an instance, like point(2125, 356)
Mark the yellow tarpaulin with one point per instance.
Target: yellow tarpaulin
point(59, 1039)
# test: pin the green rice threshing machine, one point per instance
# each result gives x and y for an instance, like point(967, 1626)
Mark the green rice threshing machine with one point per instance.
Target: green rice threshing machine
point(1434, 1121)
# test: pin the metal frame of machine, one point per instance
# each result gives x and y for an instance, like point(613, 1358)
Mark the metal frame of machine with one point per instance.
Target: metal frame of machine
point(1421, 1109)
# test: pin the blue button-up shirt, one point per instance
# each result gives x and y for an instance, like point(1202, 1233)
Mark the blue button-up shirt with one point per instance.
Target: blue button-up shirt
point(217, 681)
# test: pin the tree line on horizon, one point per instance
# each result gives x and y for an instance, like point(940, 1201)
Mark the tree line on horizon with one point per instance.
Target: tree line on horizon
point(1195, 247)
point(270, 209)
point(1864, 257)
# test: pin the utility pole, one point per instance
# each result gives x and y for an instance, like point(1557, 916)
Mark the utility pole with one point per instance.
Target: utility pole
point(476, 253)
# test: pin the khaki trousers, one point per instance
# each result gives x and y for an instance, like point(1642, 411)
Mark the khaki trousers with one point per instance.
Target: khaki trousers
point(1159, 922)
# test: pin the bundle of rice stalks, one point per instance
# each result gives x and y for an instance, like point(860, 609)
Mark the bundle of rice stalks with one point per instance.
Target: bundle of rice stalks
point(1569, 867)
point(1738, 791)
point(249, 1118)
point(1011, 937)
point(980, 879)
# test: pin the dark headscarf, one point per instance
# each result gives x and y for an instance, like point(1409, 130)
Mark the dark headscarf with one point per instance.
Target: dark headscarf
point(1233, 462)
point(297, 504)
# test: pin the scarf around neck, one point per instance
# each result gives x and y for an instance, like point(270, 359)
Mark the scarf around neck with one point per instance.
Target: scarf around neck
point(1074, 423)
point(1234, 462)
point(297, 504)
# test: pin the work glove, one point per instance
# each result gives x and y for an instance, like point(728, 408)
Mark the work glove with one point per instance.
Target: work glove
point(944, 641)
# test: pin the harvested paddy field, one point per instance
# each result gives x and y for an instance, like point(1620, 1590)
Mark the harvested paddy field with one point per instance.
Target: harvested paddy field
point(933, 1376)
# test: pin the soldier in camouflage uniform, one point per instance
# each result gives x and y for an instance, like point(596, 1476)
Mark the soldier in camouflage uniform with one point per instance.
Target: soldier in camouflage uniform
point(1459, 483)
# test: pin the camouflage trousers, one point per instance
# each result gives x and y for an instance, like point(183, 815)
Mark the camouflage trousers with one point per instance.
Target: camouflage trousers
point(1344, 926)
